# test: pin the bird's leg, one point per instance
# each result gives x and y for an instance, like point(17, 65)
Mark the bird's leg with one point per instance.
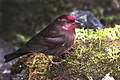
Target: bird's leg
point(55, 62)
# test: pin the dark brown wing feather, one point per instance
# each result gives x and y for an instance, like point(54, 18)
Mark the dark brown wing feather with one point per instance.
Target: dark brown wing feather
point(48, 39)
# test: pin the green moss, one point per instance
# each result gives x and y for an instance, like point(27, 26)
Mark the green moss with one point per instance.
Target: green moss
point(93, 55)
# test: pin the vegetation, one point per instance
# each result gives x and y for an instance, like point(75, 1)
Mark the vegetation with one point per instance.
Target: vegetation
point(94, 54)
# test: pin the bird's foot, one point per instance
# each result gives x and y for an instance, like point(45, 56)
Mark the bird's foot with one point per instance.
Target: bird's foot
point(56, 63)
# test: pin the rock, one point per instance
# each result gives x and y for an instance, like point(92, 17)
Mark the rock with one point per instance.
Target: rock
point(5, 71)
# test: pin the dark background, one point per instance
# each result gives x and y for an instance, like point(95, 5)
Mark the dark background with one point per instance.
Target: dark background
point(26, 17)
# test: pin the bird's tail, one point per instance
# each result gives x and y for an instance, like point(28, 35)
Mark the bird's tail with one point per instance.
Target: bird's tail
point(13, 55)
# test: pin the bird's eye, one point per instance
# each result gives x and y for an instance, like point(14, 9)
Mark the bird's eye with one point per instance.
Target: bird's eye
point(68, 21)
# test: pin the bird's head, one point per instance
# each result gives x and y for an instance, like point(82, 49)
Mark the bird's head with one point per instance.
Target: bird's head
point(67, 21)
point(66, 18)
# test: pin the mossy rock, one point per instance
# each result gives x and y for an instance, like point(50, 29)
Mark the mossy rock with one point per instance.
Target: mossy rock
point(90, 58)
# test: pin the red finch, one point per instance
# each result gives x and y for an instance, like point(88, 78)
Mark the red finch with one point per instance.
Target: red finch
point(56, 39)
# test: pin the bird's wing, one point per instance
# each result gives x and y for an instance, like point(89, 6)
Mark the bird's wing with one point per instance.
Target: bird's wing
point(56, 40)
point(42, 42)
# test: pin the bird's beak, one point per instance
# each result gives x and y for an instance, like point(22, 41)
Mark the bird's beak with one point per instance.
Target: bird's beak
point(77, 22)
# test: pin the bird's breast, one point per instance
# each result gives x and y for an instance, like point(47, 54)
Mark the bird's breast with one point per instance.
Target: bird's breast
point(70, 39)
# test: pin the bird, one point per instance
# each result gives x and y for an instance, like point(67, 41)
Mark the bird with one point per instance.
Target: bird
point(55, 39)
